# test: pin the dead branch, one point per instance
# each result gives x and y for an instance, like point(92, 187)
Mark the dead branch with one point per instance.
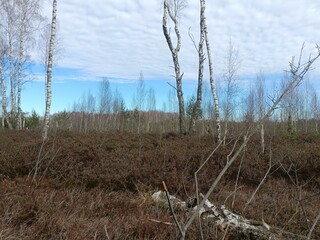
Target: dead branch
point(172, 211)
point(313, 226)
point(157, 221)
point(226, 220)
point(261, 182)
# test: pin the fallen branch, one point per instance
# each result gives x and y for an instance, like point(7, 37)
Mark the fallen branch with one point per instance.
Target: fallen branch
point(157, 221)
point(313, 226)
point(225, 219)
point(172, 211)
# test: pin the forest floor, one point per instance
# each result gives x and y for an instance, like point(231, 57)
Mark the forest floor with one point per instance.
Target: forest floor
point(99, 185)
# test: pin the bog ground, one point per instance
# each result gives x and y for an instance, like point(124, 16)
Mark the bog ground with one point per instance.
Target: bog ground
point(91, 186)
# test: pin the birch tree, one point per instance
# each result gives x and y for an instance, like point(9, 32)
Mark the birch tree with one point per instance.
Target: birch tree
point(29, 15)
point(171, 9)
point(9, 23)
point(249, 103)
point(212, 84)
point(260, 101)
point(49, 71)
point(151, 100)
point(315, 108)
point(140, 98)
point(230, 79)
point(289, 106)
point(197, 104)
point(5, 116)
point(105, 96)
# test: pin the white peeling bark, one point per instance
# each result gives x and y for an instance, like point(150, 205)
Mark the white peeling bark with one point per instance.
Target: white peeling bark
point(212, 84)
point(11, 75)
point(49, 71)
point(226, 220)
point(4, 100)
point(197, 107)
point(263, 145)
point(175, 58)
point(19, 122)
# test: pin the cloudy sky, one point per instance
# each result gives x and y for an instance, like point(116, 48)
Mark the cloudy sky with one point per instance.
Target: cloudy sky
point(119, 38)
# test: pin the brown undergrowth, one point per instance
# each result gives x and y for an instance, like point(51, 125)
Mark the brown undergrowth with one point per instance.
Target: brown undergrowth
point(98, 185)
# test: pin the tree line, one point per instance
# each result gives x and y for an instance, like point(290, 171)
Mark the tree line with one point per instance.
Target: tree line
point(214, 108)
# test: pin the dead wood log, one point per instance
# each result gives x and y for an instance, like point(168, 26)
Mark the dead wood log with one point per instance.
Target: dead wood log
point(238, 227)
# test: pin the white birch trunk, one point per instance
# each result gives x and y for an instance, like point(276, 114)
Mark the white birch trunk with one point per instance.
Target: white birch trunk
point(4, 100)
point(175, 58)
point(226, 220)
point(212, 84)
point(197, 107)
point(19, 123)
point(12, 81)
point(49, 71)
point(262, 138)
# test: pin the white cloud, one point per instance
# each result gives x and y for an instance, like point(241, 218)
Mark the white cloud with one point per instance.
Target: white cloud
point(121, 37)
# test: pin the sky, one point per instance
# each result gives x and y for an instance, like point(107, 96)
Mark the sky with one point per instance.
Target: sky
point(118, 39)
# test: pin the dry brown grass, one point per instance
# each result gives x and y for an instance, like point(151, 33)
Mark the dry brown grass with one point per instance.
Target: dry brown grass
point(91, 186)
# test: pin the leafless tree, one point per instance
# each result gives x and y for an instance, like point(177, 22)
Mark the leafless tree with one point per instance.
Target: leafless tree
point(117, 100)
point(29, 18)
point(151, 100)
point(90, 104)
point(196, 108)
point(230, 80)
point(141, 92)
point(140, 98)
point(249, 107)
point(213, 86)
point(8, 24)
point(49, 71)
point(260, 101)
point(315, 108)
point(105, 96)
point(289, 106)
point(3, 86)
point(172, 9)
point(306, 103)
point(172, 103)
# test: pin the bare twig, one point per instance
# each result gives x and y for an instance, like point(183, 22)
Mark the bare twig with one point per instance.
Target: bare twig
point(182, 233)
point(192, 39)
point(233, 193)
point(172, 86)
point(157, 221)
point(38, 161)
point(313, 226)
point(48, 164)
point(106, 231)
point(261, 182)
point(199, 169)
point(237, 179)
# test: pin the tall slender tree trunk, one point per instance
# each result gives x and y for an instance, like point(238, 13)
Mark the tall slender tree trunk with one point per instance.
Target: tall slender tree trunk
point(212, 84)
point(4, 100)
point(175, 58)
point(12, 80)
point(263, 145)
point(197, 107)
point(49, 71)
point(225, 131)
point(19, 122)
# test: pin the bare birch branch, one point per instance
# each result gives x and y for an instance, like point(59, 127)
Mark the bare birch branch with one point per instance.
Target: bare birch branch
point(313, 226)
